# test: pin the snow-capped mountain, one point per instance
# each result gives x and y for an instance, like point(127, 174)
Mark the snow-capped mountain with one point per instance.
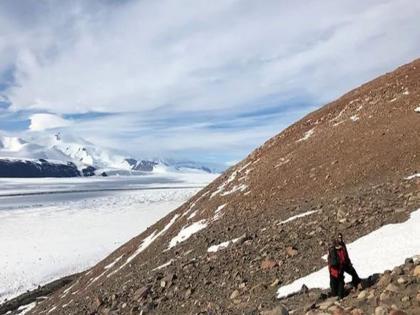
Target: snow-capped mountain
point(65, 148)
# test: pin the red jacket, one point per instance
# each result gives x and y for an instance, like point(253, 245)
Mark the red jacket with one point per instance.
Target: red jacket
point(337, 258)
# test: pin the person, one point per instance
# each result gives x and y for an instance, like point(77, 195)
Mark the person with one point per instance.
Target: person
point(336, 261)
point(348, 266)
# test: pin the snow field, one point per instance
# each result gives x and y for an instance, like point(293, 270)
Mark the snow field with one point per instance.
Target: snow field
point(43, 243)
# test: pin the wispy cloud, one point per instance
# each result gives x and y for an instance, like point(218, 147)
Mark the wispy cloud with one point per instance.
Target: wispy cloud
point(160, 67)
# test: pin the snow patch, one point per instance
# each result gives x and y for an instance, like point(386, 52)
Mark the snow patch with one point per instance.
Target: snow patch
point(217, 213)
point(218, 190)
point(307, 135)
point(113, 263)
point(298, 216)
point(23, 309)
point(67, 304)
point(189, 209)
point(215, 248)
point(66, 291)
point(234, 189)
point(187, 232)
point(354, 118)
point(417, 109)
point(244, 167)
point(192, 215)
point(164, 265)
point(393, 244)
point(283, 161)
point(413, 176)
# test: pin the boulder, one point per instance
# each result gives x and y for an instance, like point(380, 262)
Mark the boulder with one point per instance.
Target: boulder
point(291, 251)
point(392, 288)
point(362, 295)
point(234, 294)
point(267, 264)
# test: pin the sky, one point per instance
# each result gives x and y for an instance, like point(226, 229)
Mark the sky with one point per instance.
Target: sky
point(190, 79)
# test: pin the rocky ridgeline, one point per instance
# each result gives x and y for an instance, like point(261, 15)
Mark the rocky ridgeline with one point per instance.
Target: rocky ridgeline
point(345, 166)
point(395, 292)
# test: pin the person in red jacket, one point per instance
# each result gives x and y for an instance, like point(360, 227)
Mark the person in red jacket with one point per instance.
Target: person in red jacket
point(348, 266)
point(336, 262)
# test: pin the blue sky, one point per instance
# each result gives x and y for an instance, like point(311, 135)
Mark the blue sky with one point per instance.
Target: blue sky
point(207, 81)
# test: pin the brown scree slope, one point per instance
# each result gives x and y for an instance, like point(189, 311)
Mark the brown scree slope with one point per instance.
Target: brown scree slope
point(348, 161)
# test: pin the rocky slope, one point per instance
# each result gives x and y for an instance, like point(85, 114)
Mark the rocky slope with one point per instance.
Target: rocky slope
point(228, 249)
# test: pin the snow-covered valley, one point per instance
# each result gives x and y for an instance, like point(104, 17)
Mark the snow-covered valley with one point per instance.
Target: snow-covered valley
point(50, 228)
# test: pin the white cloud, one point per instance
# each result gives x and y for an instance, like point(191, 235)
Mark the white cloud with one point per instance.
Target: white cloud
point(183, 57)
point(197, 54)
point(41, 122)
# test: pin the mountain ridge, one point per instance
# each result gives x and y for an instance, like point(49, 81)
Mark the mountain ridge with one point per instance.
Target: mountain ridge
point(88, 158)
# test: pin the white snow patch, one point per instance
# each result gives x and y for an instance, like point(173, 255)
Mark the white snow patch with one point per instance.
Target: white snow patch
point(189, 209)
point(282, 162)
point(406, 92)
point(164, 265)
point(413, 176)
point(354, 118)
point(417, 109)
point(232, 177)
point(298, 216)
point(187, 232)
point(234, 189)
point(192, 215)
point(217, 212)
point(215, 248)
point(26, 308)
point(96, 279)
point(220, 208)
point(244, 167)
point(393, 100)
point(376, 252)
point(306, 135)
point(67, 304)
point(113, 263)
point(51, 310)
point(218, 190)
point(66, 291)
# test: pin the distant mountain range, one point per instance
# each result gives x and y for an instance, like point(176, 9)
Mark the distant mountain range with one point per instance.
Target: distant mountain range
point(59, 155)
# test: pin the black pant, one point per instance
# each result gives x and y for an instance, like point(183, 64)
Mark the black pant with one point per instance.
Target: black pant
point(355, 280)
point(337, 286)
